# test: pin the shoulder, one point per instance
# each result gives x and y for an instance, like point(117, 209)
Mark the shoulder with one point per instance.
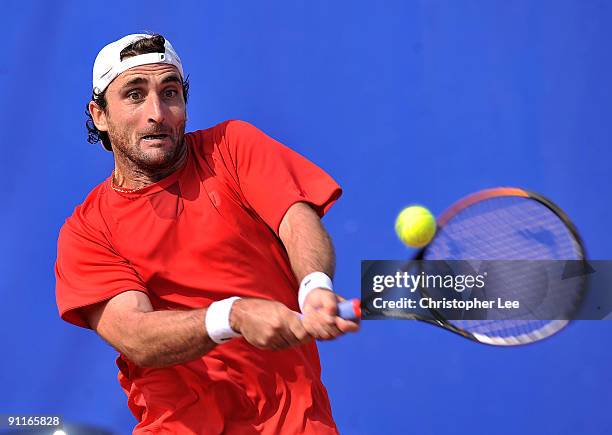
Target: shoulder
point(223, 132)
point(87, 219)
point(223, 141)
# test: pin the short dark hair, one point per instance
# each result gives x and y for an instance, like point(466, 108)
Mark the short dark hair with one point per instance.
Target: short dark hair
point(153, 44)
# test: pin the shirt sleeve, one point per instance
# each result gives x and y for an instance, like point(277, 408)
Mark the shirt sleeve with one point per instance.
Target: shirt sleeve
point(273, 177)
point(88, 271)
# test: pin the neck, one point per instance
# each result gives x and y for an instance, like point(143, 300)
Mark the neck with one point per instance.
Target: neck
point(131, 176)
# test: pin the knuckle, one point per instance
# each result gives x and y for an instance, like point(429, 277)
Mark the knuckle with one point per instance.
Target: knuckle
point(267, 337)
point(322, 334)
point(275, 323)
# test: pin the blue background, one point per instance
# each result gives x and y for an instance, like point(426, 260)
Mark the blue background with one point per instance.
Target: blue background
point(402, 102)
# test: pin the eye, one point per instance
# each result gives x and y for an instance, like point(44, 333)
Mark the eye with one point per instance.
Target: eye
point(170, 93)
point(134, 95)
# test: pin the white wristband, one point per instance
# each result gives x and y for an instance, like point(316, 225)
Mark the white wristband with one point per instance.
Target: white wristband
point(310, 282)
point(218, 320)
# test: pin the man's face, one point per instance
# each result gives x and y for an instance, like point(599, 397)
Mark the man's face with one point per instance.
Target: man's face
point(145, 115)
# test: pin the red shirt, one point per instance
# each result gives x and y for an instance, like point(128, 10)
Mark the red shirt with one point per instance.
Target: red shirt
point(207, 232)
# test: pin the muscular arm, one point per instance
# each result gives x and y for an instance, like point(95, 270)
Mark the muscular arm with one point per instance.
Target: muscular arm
point(308, 245)
point(162, 338)
point(310, 249)
point(150, 338)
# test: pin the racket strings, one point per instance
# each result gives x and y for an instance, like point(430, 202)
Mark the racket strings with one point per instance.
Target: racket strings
point(489, 229)
point(514, 228)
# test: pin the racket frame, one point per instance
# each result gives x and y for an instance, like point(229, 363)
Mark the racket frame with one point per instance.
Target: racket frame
point(445, 217)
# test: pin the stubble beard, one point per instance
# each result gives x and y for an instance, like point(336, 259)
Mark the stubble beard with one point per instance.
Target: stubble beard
point(155, 163)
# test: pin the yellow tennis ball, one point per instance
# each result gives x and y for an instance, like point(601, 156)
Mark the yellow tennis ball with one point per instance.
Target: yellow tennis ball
point(415, 226)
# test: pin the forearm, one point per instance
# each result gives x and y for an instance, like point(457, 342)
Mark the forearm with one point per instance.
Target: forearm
point(310, 249)
point(164, 338)
point(308, 245)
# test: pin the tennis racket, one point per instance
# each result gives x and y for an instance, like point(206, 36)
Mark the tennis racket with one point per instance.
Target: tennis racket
point(502, 224)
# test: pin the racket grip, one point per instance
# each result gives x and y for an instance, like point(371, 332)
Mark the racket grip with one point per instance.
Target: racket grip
point(350, 310)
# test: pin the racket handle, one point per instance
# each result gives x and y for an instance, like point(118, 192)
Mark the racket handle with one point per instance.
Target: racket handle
point(350, 310)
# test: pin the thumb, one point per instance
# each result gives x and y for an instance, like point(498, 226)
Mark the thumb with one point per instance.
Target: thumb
point(328, 302)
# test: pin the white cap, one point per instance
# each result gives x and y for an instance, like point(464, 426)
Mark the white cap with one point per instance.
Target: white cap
point(108, 64)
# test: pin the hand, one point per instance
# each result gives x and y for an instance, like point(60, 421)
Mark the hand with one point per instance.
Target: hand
point(267, 324)
point(321, 319)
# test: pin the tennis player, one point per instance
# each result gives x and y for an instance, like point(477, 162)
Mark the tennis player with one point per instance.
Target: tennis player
point(195, 257)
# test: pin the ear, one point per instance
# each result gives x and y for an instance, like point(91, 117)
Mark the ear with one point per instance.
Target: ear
point(98, 116)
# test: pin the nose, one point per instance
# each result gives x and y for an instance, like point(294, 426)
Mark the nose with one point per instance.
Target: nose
point(155, 109)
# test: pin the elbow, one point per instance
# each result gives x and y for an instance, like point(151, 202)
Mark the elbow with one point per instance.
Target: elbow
point(147, 356)
point(138, 358)
point(137, 353)
point(142, 359)
point(137, 347)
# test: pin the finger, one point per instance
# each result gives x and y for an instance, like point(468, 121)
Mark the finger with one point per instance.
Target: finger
point(346, 325)
point(271, 338)
point(314, 327)
point(298, 330)
point(321, 325)
point(292, 331)
point(275, 344)
point(311, 328)
point(285, 341)
point(287, 333)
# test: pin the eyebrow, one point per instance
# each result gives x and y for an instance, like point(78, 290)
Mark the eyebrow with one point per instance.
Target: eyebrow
point(134, 81)
point(172, 79)
point(139, 81)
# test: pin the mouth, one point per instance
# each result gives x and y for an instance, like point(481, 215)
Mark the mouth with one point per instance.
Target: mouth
point(153, 137)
